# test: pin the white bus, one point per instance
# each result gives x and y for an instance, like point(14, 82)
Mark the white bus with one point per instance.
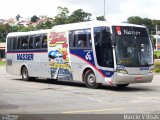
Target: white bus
point(95, 52)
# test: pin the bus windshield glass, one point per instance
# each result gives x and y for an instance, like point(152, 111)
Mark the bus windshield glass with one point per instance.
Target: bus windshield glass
point(133, 46)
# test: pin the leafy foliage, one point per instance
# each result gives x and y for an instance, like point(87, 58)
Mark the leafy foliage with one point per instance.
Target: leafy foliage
point(157, 54)
point(2, 62)
point(18, 17)
point(101, 18)
point(4, 30)
point(79, 16)
point(142, 21)
point(157, 67)
point(135, 20)
point(156, 22)
point(62, 16)
point(25, 29)
point(34, 18)
point(46, 25)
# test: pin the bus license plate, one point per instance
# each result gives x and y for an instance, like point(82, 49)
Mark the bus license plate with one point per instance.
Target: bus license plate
point(138, 78)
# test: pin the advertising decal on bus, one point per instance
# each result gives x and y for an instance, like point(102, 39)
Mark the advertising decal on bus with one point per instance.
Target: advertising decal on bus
point(58, 56)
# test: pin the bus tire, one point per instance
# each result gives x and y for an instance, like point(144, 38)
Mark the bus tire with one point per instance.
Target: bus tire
point(90, 80)
point(25, 75)
point(52, 80)
point(122, 85)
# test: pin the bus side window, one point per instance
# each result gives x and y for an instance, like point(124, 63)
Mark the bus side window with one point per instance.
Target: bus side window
point(31, 42)
point(37, 40)
point(25, 46)
point(23, 42)
point(82, 38)
point(44, 41)
point(88, 38)
point(19, 43)
point(38, 45)
point(14, 41)
point(9, 43)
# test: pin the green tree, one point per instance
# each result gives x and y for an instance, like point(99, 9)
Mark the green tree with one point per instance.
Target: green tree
point(34, 18)
point(156, 22)
point(48, 25)
point(148, 23)
point(2, 33)
point(62, 15)
point(142, 21)
point(45, 25)
point(79, 16)
point(14, 28)
point(135, 20)
point(18, 17)
point(25, 29)
point(101, 18)
point(4, 30)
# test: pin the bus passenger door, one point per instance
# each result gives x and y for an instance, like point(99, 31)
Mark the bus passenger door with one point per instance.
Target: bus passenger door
point(103, 50)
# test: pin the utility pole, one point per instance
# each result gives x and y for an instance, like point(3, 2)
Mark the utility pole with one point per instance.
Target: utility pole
point(156, 37)
point(104, 8)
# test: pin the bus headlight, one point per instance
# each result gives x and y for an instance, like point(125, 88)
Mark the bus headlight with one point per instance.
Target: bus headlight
point(123, 71)
point(151, 70)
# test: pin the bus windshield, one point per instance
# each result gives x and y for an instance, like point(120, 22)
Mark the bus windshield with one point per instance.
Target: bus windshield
point(133, 46)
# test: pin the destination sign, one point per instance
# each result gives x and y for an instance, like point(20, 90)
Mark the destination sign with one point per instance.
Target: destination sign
point(130, 31)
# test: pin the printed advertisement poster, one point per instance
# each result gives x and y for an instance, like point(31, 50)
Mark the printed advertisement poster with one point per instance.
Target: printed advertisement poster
point(58, 56)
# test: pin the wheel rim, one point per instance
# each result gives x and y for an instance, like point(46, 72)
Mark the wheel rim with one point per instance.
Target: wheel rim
point(91, 79)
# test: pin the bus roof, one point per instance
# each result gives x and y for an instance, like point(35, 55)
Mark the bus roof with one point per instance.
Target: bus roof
point(89, 24)
point(73, 26)
point(27, 33)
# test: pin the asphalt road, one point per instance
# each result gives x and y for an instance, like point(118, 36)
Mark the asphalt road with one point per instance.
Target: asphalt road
point(42, 97)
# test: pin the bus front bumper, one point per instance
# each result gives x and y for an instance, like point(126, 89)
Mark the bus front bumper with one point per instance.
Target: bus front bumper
point(120, 78)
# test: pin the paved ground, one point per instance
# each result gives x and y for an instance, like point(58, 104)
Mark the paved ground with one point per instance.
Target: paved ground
point(42, 97)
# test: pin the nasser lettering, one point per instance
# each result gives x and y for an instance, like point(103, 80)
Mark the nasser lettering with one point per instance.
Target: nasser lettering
point(128, 32)
point(25, 56)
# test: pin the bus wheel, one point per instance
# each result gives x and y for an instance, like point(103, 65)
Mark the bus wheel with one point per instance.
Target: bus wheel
point(52, 80)
point(90, 79)
point(122, 85)
point(24, 73)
